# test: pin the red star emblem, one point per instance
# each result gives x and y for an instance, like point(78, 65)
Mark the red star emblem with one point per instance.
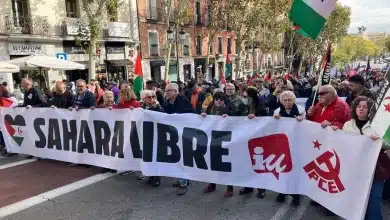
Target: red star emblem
point(387, 107)
point(317, 144)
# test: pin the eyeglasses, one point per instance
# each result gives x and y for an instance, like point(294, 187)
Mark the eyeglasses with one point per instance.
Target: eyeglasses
point(218, 99)
point(323, 93)
point(150, 97)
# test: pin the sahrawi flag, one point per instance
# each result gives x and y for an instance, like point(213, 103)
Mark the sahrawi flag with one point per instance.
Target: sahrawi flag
point(381, 121)
point(138, 82)
point(309, 16)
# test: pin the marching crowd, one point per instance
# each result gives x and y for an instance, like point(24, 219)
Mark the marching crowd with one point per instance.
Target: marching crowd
point(272, 95)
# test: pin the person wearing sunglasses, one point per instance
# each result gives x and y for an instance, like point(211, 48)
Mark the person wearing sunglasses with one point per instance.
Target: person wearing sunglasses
point(150, 103)
point(219, 106)
point(331, 112)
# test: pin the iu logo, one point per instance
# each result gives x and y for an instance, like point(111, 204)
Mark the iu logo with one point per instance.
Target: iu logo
point(270, 154)
point(328, 180)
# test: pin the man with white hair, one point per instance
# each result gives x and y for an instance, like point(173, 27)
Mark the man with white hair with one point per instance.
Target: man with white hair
point(330, 111)
point(177, 104)
point(32, 96)
point(237, 104)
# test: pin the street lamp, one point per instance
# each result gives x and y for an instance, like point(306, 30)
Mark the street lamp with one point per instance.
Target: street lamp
point(173, 38)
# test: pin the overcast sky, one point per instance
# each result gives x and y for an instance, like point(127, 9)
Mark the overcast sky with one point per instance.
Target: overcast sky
point(373, 14)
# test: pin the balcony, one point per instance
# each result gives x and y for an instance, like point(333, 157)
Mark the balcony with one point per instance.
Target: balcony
point(153, 50)
point(18, 24)
point(117, 29)
point(75, 27)
point(154, 14)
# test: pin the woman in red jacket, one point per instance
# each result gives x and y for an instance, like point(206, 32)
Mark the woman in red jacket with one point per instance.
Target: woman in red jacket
point(127, 98)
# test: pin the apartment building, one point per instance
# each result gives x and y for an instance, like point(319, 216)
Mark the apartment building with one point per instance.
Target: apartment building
point(192, 40)
point(29, 27)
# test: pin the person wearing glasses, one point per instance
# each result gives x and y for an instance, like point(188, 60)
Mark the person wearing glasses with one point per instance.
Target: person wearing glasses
point(151, 103)
point(84, 98)
point(331, 112)
point(176, 103)
point(219, 106)
point(237, 104)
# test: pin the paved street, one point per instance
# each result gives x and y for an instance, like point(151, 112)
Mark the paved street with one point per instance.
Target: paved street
point(78, 193)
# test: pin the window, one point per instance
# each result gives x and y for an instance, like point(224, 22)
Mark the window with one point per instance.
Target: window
point(229, 46)
point(186, 45)
point(208, 21)
point(21, 15)
point(212, 48)
point(71, 8)
point(199, 46)
point(198, 13)
point(220, 45)
point(153, 44)
point(151, 9)
point(237, 48)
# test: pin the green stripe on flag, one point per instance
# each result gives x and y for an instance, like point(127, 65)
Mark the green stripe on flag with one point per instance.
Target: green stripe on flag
point(138, 83)
point(18, 140)
point(386, 137)
point(308, 19)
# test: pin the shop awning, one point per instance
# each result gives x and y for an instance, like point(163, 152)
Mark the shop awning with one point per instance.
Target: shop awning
point(123, 62)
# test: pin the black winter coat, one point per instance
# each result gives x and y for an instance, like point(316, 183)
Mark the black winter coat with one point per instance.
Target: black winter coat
point(61, 101)
point(34, 98)
point(181, 105)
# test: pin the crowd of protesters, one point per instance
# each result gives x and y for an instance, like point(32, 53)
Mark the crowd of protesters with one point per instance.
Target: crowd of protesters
point(268, 95)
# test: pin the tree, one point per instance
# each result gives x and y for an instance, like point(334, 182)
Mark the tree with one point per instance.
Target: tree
point(178, 13)
point(249, 18)
point(94, 9)
point(352, 48)
point(387, 43)
point(335, 29)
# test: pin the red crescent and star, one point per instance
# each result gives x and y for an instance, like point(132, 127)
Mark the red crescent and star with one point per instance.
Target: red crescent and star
point(317, 144)
point(387, 106)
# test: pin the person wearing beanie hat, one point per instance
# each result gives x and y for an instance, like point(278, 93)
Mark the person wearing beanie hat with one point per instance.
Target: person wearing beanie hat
point(357, 88)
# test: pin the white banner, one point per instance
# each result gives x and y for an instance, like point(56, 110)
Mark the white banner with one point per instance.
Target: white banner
point(333, 168)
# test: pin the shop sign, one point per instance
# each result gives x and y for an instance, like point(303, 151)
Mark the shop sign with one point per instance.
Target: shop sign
point(25, 49)
point(113, 50)
point(74, 50)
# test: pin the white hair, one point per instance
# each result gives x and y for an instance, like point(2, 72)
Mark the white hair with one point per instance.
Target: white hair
point(81, 81)
point(174, 86)
point(331, 89)
point(146, 93)
point(287, 94)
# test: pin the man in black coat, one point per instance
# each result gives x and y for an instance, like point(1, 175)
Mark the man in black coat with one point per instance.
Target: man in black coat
point(177, 104)
point(62, 97)
point(32, 96)
point(357, 86)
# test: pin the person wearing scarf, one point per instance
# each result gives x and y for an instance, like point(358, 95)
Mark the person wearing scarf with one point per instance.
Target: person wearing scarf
point(255, 108)
point(219, 106)
point(289, 109)
point(360, 124)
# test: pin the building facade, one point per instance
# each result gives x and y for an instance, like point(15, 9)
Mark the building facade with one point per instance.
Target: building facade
point(29, 27)
point(192, 54)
